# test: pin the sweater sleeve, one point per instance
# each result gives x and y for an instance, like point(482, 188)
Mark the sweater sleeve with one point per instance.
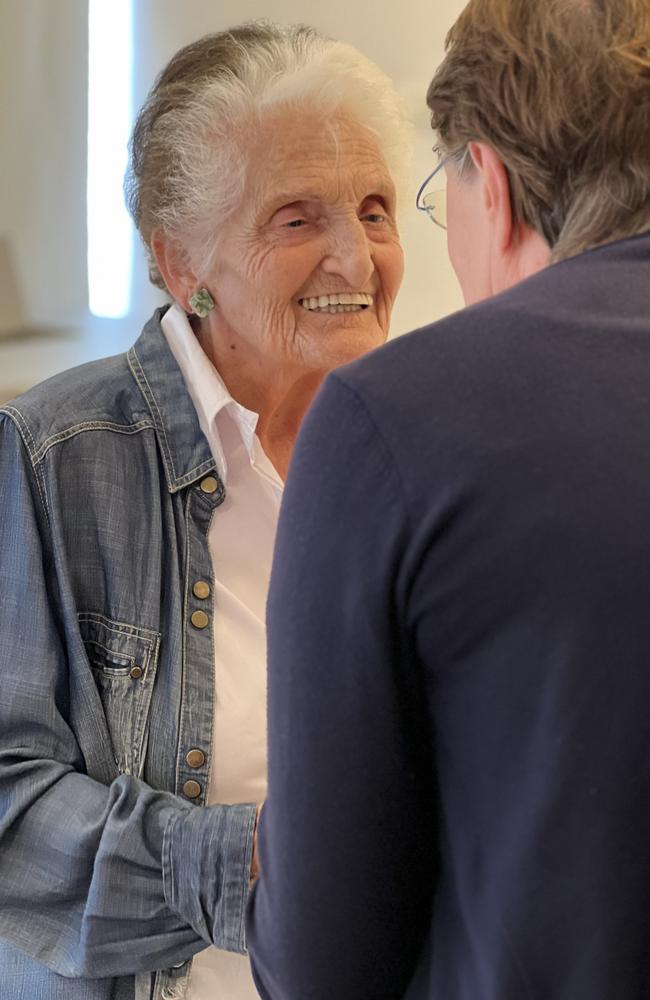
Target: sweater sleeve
point(346, 837)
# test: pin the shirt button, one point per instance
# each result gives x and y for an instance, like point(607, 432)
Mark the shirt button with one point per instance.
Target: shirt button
point(135, 672)
point(199, 619)
point(201, 589)
point(209, 485)
point(195, 758)
point(191, 789)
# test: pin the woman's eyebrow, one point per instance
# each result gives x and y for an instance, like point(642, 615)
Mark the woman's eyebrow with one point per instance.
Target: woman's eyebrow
point(293, 198)
point(375, 187)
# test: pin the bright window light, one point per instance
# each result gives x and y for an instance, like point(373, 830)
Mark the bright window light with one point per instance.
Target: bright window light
point(110, 231)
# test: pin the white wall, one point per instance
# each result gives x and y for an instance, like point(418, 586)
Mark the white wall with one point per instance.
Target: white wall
point(43, 74)
point(42, 153)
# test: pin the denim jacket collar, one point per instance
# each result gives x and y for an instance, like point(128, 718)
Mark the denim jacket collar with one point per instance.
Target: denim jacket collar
point(186, 453)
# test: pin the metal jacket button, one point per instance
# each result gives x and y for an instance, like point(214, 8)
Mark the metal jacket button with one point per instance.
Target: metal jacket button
point(209, 485)
point(191, 789)
point(199, 619)
point(201, 590)
point(135, 672)
point(195, 758)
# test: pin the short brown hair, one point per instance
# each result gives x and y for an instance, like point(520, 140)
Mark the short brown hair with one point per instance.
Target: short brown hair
point(560, 89)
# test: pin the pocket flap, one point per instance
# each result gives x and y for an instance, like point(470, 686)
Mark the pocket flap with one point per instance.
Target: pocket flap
point(116, 648)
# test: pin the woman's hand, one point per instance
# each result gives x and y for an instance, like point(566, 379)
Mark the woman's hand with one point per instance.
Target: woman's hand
point(255, 865)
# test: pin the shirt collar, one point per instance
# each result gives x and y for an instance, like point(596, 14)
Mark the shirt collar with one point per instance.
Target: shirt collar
point(185, 451)
point(207, 389)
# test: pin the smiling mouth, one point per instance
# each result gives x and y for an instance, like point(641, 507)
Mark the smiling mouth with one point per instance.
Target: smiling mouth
point(342, 303)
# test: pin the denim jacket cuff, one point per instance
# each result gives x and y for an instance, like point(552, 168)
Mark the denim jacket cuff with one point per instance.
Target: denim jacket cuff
point(207, 854)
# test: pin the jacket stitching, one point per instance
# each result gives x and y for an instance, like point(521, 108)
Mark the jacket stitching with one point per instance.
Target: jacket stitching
point(189, 477)
point(30, 445)
point(90, 425)
point(210, 732)
point(18, 418)
point(151, 400)
point(194, 474)
point(113, 652)
point(146, 635)
point(186, 596)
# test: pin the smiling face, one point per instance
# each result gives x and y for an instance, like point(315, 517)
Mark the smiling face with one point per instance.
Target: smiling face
point(307, 268)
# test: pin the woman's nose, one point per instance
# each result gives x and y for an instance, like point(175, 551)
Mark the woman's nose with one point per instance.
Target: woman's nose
point(350, 254)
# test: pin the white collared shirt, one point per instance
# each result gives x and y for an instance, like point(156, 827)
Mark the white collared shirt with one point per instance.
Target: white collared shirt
point(240, 539)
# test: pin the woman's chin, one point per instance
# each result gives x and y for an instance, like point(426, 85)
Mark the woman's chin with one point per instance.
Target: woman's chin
point(347, 342)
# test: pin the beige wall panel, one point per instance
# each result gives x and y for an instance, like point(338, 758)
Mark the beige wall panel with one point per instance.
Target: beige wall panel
point(43, 122)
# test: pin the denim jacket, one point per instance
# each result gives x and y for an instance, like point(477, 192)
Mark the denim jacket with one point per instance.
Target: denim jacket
point(108, 870)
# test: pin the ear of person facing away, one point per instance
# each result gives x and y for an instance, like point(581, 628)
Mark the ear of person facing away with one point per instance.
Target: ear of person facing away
point(490, 249)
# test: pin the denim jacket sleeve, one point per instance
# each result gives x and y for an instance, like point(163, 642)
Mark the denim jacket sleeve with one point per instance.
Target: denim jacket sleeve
point(95, 879)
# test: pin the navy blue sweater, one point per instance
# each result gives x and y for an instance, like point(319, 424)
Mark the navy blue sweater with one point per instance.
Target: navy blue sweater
point(459, 660)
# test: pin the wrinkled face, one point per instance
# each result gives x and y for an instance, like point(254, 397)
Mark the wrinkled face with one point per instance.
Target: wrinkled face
point(308, 266)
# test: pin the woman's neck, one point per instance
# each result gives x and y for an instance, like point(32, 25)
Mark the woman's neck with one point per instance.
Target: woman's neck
point(280, 421)
point(279, 392)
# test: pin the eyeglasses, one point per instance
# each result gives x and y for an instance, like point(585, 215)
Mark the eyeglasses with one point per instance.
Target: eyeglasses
point(434, 203)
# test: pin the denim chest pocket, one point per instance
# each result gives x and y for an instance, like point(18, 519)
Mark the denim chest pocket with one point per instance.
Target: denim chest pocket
point(123, 660)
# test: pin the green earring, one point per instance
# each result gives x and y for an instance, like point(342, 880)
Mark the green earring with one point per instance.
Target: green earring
point(202, 302)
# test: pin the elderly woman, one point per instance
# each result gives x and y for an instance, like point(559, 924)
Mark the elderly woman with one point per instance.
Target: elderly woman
point(139, 505)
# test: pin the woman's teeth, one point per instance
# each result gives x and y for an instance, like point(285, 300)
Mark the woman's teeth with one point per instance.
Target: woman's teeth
point(344, 302)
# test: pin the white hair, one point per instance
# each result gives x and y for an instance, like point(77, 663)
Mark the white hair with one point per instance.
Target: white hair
point(189, 145)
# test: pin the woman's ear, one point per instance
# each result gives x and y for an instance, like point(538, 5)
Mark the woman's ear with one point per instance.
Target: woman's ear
point(172, 263)
point(496, 193)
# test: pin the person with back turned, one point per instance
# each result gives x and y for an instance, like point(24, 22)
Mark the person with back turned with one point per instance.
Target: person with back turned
point(459, 623)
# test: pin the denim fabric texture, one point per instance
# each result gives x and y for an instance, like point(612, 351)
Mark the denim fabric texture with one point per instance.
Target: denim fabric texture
point(111, 878)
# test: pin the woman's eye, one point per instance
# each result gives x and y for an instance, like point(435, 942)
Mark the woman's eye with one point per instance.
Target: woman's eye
point(374, 217)
point(294, 216)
